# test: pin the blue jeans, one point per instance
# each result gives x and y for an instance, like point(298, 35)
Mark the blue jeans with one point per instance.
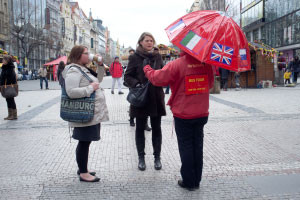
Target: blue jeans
point(190, 143)
point(41, 82)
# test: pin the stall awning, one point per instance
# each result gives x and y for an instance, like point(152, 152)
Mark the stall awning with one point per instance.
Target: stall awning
point(57, 61)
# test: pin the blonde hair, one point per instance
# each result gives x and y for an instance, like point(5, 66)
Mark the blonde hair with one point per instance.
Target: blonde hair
point(142, 37)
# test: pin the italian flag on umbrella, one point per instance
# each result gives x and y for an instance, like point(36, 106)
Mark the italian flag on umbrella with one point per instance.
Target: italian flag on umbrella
point(193, 42)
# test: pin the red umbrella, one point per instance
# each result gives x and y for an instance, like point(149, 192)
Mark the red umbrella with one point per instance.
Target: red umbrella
point(211, 37)
point(57, 61)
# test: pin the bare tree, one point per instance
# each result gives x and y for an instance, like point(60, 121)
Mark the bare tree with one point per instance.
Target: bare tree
point(25, 36)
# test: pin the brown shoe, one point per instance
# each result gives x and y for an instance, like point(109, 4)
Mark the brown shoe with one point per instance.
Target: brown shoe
point(14, 114)
point(10, 114)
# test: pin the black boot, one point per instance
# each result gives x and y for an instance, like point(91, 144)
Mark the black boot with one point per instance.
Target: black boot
point(131, 121)
point(142, 164)
point(157, 164)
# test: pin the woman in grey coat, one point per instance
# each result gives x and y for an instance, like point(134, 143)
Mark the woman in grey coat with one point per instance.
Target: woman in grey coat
point(78, 86)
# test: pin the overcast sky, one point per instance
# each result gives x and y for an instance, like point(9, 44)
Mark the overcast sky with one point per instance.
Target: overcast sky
point(128, 19)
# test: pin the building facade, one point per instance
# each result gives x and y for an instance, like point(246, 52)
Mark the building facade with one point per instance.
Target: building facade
point(26, 31)
point(234, 10)
point(101, 37)
point(273, 22)
point(4, 24)
point(54, 41)
point(208, 5)
point(67, 27)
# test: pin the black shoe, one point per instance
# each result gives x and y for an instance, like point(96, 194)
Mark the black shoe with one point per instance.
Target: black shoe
point(157, 164)
point(112, 92)
point(91, 173)
point(121, 92)
point(147, 128)
point(142, 164)
point(47, 88)
point(96, 179)
point(181, 184)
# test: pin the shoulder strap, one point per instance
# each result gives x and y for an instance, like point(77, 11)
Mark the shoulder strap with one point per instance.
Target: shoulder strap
point(83, 73)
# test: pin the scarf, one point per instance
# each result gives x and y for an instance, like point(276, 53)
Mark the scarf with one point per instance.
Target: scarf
point(149, 56)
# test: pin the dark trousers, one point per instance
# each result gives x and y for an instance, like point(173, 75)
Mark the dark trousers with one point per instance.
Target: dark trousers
point(287, 81)
point(41, 81)
point(295, 77)
point(224, 83)
point(11, 103)
point(190, 142)
point(167, 90)
point(82, 155)
point(156, 136)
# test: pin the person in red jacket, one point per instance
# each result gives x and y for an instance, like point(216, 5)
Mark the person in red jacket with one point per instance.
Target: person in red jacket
point(116, 71)
point(190, 81)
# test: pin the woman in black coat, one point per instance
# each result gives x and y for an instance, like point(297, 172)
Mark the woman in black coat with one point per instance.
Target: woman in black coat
point(8, 77)
point(155, 106)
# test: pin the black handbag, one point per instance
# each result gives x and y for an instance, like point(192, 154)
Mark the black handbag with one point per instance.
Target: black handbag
point(9, 91)
point(80, 110)
point(138, 96)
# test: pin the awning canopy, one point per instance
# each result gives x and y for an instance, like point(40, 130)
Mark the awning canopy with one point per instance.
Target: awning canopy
point(57, 61)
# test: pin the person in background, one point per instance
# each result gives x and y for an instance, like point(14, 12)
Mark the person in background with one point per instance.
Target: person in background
point(8, 77)
point(237, 81)
point(43, 76)
point(168, 59)
point(295, 68)
point(224, 78)
point(61, 67)
point(190, 81)
point(287, 76)
point(116, 71)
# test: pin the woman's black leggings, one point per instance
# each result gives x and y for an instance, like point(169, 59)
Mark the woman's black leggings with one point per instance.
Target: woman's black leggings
point(82, 155)
point(11, 103)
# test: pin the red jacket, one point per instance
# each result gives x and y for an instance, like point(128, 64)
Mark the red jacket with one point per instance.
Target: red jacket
point(116, 70)
point(190, 81)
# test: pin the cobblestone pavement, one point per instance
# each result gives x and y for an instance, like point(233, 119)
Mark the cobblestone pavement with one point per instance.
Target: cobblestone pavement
point(252, 150)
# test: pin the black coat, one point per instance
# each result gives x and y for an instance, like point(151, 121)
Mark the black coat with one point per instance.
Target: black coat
point(8, 74)
point(134, 74)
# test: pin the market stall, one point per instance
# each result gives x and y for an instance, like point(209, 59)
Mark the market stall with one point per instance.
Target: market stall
point(53, 66)
point(262, 67)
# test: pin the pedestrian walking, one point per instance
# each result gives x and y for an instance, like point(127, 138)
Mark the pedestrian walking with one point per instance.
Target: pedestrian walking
point(116, 71)
point(8, 77)
point(190, 81)
point(43, 76)
point(287, 76)
point(61, 67)
point(77, 86)
point(155, 106)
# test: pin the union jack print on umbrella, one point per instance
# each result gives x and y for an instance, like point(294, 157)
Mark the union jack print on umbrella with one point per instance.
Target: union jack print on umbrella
point(211, 37)
point(222, 54)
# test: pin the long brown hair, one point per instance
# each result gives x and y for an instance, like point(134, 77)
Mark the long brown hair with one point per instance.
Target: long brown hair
point(8, 58)
point(76, 53)
point(142, 37)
